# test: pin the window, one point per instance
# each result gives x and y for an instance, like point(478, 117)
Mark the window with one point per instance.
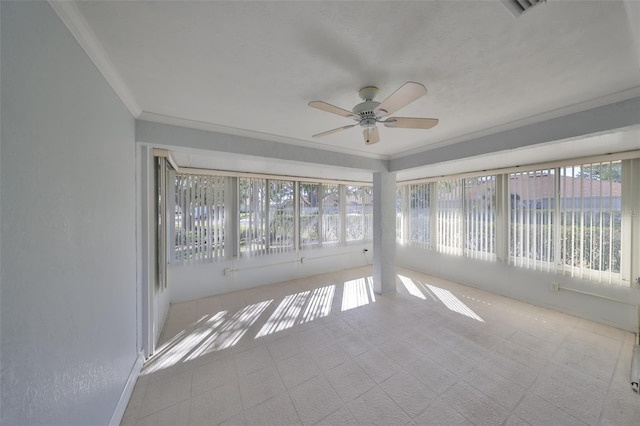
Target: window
point(331, 222)
point(320, 218)
point(532, 234)
point(591, 212)
point(266, 216)
point(199, 218)
point(359, 213)
point(420, 214)
point(310, 211)
point(480, 214)
point(449, 215)
point(252, 196)
point(281, 235)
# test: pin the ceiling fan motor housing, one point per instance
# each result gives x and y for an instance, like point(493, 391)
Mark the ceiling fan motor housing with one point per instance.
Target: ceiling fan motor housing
point(364, 111)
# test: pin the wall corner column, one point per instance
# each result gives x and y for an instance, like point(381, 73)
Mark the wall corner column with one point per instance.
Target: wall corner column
point(384, 232)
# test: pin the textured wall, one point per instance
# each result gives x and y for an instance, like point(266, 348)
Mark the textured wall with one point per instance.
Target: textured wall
point(68, 291)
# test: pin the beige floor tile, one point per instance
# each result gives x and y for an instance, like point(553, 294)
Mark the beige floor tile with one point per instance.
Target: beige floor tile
point(349, 380)
point(409, 393)
point(177, 414)
point(277, 411)
point(315, 400)
point(474, 405)
point(536, 411)
point(521, 365)
point(253, 359)
point(165, 393)
point(213, 374)
point(441, 413)
point(377, 365)
point(216, 406)
point(435, 377)
point(297, 369)
point(377, 408)
point(342, 417)
point(259, 386)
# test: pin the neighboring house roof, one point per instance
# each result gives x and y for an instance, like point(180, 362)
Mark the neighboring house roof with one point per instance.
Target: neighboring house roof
point(535, 187)
point(542, 186)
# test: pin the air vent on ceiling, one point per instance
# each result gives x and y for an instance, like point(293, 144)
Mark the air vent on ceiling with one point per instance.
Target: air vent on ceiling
point(518, 7)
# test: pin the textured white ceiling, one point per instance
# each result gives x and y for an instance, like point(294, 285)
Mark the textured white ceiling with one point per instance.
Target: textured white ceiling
point(254, 66)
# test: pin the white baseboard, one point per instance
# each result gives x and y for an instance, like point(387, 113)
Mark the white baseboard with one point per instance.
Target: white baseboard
point(116, 418)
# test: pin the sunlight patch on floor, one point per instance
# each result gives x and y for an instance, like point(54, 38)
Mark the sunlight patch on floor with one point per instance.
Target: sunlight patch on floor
point(285, 315)
point(212, 333)
point(453, 303)
point(319, 304)
point(358, 292)
point(411, 287)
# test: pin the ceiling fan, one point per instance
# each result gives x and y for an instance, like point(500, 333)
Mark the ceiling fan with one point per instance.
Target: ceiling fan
point(368, 113)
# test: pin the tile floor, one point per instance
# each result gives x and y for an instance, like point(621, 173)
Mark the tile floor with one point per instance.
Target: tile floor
point(326, 350)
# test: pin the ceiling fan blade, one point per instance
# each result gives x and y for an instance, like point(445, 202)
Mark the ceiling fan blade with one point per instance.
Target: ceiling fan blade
point(328, 132)
point(371, 135)
point(402, 97)
point(410, 122)
point(331, 108)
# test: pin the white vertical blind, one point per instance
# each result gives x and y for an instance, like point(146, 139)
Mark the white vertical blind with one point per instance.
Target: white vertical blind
point(310, 208)
point(591, 212)
point(331, 221)
point(532, 199)
point(450, 216)
point(480, 215)
point(281, 216)
point(355, 214)
point(199, 218)
point(419, 214)
point(253, 216)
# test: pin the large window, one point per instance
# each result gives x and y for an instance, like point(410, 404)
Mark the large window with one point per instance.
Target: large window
point(449, 213)
point(454, 216)
point(320, 217)
point(281, 235)
point(591, 211)
point(266, 216)
point(359, 213)
point(420, 214)
point(480, 217)
point(532, 234)
point(199, 218)
point(566, 219)
point(252, 195)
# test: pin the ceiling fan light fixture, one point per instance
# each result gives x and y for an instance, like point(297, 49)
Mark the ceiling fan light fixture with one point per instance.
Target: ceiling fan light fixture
point(369, 112)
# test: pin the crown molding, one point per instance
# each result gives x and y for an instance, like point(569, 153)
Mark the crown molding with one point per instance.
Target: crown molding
point(624, 95)
point(71, 16)
point(210, 127)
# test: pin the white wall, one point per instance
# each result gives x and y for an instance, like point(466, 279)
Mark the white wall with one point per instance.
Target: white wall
point(193, 281)
point(530, 286)
point(68, 273)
